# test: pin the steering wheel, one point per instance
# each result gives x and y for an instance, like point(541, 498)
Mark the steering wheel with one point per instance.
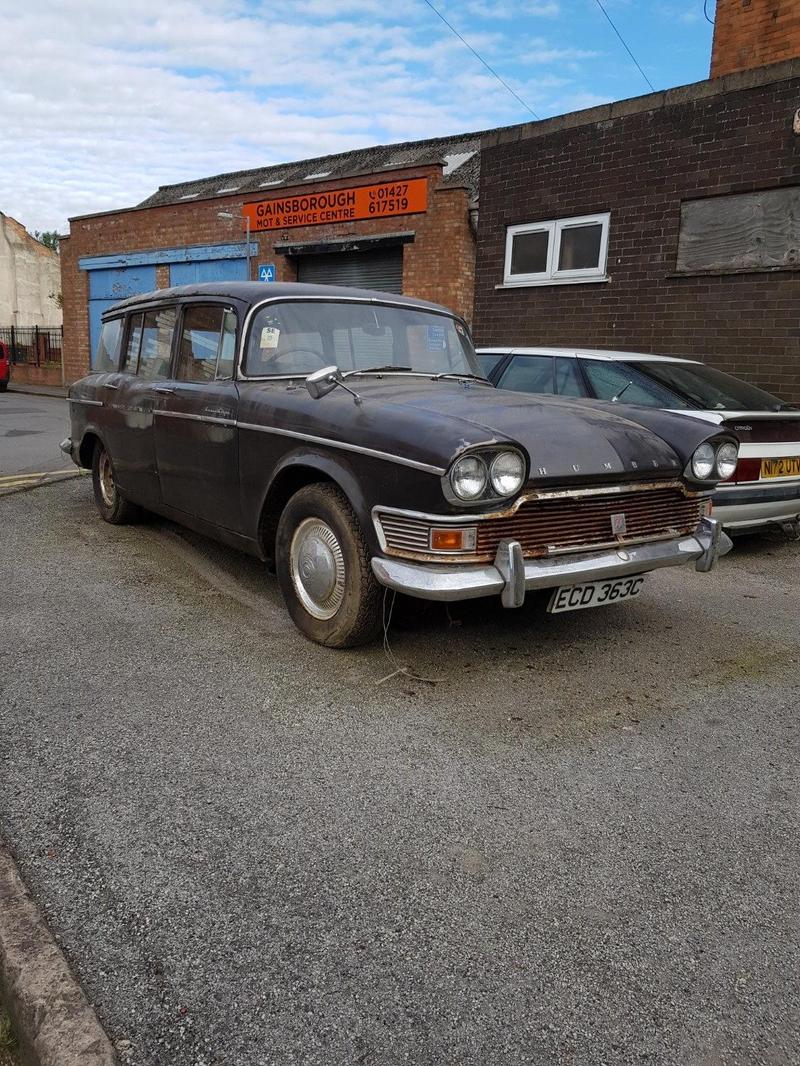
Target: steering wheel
point(277, 360)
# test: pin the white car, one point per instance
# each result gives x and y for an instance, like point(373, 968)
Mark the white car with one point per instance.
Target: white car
point(764, 490)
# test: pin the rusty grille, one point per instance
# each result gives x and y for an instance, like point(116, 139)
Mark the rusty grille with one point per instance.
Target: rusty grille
point(573, 522)
point(561, 524)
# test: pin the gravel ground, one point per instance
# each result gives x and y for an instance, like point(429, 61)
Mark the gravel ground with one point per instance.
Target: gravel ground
point(579, 845)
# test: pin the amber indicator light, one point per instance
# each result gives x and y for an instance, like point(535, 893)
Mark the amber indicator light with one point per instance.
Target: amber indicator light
point(452, 540)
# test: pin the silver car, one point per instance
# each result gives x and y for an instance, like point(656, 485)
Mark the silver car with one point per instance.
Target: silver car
point(765, 488)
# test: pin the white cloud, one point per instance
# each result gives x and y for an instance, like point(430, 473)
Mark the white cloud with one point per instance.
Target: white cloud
point(102, 103)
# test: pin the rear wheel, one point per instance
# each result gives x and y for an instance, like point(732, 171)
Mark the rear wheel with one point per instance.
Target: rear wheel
point(324, 571)
point(113, 507)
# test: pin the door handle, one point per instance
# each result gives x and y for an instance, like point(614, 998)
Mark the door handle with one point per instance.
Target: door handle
point(108, 385)
point(165, 389)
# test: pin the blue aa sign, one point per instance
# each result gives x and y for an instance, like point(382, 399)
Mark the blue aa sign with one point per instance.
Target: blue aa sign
point(266, 271)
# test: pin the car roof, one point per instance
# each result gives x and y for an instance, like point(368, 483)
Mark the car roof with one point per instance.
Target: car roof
point(253, 292)
point(588, 353)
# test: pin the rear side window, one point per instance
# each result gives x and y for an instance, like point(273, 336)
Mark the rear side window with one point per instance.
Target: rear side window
point(621, 382)
point(568, 378)
point(156, 347)
point(107, 355)
point(529, 373)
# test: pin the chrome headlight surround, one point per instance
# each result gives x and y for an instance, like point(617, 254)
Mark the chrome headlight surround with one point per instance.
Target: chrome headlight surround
point(499, 473)
point(713, 461)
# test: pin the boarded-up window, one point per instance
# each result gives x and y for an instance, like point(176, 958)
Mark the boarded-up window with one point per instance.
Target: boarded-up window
point(736, 234)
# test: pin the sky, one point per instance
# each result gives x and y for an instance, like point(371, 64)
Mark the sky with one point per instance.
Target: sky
point(101, 102)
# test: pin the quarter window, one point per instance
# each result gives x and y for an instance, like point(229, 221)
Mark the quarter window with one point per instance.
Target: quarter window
point(568, 378)
point(557, 251)
point(156, 346)
point(490, 360)
point(622, 383)
point(207, 344)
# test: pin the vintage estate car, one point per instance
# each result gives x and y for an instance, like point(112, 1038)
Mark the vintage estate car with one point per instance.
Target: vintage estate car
point(5, 367)
point(764, 489)
point(349, 439)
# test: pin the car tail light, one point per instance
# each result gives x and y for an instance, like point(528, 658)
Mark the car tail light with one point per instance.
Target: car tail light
point(747, 470)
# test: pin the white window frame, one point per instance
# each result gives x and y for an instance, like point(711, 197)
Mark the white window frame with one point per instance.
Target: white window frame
point(552, 275)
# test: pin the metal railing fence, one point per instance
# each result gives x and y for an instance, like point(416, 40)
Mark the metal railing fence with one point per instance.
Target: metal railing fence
point(33, 345)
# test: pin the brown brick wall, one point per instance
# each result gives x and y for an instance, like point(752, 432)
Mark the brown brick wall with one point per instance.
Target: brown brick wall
point(640, 167)
point(438, 265)
point(754, 33)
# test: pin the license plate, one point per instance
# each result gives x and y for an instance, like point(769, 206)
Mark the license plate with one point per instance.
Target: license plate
point(781, 467)
point(594, 594)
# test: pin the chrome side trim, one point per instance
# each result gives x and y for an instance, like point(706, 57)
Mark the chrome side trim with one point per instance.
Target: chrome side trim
point(89, 403)
point(195, 418)
point(372, 452)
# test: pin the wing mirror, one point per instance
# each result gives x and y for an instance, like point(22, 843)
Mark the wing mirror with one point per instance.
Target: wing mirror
point(325, 380)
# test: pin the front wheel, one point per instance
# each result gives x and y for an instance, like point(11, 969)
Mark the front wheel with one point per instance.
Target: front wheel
point(324, 571)
point(113, 507)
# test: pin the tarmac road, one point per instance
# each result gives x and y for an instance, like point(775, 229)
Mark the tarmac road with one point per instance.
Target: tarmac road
point(579, 845)
point(31, 428)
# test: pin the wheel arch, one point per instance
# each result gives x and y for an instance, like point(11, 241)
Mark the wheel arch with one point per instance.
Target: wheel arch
point(294, 473)
point(90, 438)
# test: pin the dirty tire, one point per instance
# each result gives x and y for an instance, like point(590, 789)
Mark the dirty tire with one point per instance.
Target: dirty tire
point(113, 507)
point(324, 571)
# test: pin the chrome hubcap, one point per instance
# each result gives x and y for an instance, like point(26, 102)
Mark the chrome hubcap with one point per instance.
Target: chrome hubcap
point(107, 489)
point(317, 568)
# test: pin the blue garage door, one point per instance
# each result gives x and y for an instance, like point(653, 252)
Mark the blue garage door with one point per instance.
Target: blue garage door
point(208, 270)
point(107, 287)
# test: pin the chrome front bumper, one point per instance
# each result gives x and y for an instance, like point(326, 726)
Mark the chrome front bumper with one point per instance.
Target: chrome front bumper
point(511, 575)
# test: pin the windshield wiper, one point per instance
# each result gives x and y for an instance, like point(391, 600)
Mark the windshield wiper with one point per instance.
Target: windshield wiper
point(388, 369)
point(456, 374)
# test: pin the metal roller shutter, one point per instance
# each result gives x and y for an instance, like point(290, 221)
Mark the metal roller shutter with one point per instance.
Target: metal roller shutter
point(381, 270)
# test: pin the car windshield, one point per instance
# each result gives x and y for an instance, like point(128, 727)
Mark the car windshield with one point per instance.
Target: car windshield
point(298, 337)
point(712, 389)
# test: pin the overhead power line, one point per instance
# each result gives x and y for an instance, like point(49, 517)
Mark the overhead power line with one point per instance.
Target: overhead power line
point(480, 58)
point(705, 12)
point(630, 53)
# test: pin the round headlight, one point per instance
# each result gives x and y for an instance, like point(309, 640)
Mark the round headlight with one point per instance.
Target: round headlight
point(703, 462)
point(468, 477)
point(727, 458)
point(507, 473)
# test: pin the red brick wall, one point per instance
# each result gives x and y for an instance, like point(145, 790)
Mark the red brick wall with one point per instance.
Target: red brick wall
point(754, 33)
point(640, 167)
point(438, 265)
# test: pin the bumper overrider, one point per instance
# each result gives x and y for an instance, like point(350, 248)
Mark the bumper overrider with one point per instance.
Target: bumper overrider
point(511, 575)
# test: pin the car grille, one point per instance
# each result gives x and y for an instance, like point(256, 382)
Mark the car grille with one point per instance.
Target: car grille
point(550, 525)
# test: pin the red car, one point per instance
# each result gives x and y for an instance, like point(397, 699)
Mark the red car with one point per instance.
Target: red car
point(5, 367)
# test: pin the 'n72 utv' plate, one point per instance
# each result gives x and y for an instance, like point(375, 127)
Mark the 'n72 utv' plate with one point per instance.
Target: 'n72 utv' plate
point(594, 594)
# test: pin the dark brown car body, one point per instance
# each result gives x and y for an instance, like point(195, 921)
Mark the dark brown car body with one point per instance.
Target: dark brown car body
point(225, 456)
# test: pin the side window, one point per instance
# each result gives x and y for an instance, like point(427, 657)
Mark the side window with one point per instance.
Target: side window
point(107, 355)
point(154, 356)
point(227, 349)
point(568, 378)
point(489, 360)
point(131, 360)
point(621, 382)
point(528, 373)
point(207, 344)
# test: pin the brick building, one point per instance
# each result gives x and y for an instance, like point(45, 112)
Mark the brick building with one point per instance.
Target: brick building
point(399, 218)
point(668, 223)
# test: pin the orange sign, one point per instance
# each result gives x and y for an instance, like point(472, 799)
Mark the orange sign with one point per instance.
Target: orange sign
point(339, 205)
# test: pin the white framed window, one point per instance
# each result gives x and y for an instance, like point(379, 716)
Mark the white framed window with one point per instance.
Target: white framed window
point(558, 252)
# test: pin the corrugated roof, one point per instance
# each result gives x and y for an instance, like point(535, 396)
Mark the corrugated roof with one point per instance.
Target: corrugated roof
point(460, 156)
